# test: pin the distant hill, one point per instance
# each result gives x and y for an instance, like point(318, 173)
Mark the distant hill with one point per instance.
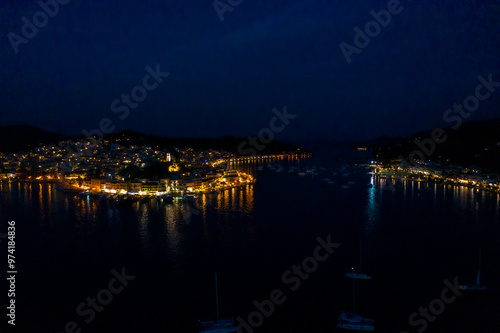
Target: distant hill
point(473, 143)
point(15, 138)
point(226, 143)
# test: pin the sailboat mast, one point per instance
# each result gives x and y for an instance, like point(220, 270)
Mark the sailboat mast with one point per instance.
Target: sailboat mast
point(216, 296)
point(360, 258)
point(478, 282)
point(353, 298)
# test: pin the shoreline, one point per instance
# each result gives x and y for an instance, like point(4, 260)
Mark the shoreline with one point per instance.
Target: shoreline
point(440, 180)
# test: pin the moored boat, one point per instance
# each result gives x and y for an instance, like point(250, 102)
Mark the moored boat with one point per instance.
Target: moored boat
point(477, 286)
point(358, 274)
point(168, 198)
point(354, 274)
point(351, 321)
point(218, 325)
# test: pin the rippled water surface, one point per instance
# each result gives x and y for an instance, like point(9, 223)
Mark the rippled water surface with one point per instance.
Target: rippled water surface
point(412, 239)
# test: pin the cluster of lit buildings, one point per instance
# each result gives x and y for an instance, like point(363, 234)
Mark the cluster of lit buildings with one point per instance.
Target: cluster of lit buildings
point(452, 174)
point(177, 185)
point(99, 167)
point(81, 156)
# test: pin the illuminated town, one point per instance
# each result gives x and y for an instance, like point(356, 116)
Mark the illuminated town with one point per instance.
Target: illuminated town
point(130, 173)
point(432, 172)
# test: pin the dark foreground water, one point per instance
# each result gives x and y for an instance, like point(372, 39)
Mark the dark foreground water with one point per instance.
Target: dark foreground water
point(412, 240)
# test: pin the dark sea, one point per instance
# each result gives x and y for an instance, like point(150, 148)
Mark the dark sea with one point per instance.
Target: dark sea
point(69, 248)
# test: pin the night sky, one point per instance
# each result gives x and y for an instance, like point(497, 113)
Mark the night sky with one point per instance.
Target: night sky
point(225, 77)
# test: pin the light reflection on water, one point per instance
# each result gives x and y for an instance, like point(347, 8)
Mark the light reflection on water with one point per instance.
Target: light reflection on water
point(239, 201)
point(174, 240)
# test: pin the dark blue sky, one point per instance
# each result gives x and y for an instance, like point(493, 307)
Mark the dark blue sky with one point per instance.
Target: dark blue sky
point(226, 77)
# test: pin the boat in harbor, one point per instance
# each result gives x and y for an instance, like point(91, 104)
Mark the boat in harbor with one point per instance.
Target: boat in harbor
point(124, 200)
point(477, 286)
point(218, 325)
point(358, 274)
point(190, 197)
point(167, 198)
point(353, 321)
point(60, 188)
point(424, 189)
point(164, 198)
